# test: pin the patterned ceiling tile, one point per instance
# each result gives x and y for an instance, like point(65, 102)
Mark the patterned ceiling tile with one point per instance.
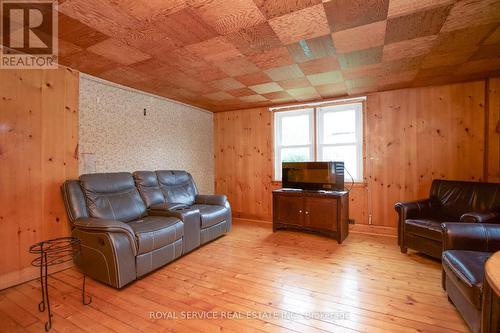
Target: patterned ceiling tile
point(494, 37)
point(153, 67)
point(487, 51)
point(304, 94)
point(346, 14)
point(284, 73)
point(253, 98)
point(271, 58)
point(360, 58)
point(405, 7)
point(148, 38)
point(78, 33)
point(419, 24)
point(358, 72)
point(472, 12)
point(241, 92)
point(88, 62)
point(216, 49)
point(277, 95)
point(227, 84)
point(301, 82)
point(253, 78)
point(67, 48)
point(148, 10)
point(237, 66)
point(325, 78)
point(185, 26)
point(320, 65)
point(409, 48)
point(303, 24)
point(255, 39)
point(360, 38)
point(219, 96)
point(463, 39)
point(480, 66)
point(406, 76)
point(131, 75)
point(401, 65)
point(313, 48)
point(266, 88)
point(443, 59)
point(118, 52)
point(332, 90)
point(272, 9)
point(229, 16)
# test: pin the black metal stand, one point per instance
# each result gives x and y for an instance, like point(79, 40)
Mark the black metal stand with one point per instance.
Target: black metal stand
point(53, 252)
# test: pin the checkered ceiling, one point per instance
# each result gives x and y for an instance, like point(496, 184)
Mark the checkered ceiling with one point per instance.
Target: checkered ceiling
point(235, 54)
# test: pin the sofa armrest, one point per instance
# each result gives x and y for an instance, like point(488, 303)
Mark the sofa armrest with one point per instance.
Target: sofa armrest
point(482, 237)
point(192, 225)
point(483, 217)
point(102, 225)
point(214, 199)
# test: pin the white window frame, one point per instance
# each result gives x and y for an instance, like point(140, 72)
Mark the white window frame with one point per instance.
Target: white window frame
point(316, 137)
point(278, 146)
point(358, 143)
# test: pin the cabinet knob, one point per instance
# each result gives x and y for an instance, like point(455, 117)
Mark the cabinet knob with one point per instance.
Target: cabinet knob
point(307, 212)
point(300, 211)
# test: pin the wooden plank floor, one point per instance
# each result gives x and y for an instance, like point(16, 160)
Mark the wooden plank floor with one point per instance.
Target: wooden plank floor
point(265, 282)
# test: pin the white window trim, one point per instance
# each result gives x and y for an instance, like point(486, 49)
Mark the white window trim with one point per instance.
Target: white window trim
point(358, 109)
point(315, 144)
point(278, 116)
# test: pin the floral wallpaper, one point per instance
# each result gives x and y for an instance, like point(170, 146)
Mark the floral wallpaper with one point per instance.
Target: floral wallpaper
point(116, 134)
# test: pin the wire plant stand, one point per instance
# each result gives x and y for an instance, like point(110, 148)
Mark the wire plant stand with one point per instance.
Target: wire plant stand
point(54, 252)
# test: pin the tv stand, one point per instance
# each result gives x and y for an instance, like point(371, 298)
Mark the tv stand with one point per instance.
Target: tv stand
point(323, 212)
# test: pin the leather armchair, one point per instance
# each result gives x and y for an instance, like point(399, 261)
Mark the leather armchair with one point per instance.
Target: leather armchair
point(466, 248)
point(419, 223)
point(120, 241)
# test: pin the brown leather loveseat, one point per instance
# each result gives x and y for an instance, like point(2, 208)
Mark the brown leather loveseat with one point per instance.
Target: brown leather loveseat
point(466, 248)
point(123, 238)
point(420, 221)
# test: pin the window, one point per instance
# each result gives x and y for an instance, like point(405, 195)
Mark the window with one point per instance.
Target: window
point(329, 133)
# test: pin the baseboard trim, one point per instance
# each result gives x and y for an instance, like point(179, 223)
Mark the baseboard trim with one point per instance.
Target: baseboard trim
point(27, 274)
point(373, 230)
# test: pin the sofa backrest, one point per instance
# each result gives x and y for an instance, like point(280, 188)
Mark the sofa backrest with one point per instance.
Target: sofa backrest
point(149, 188)
point(74, 200)
point(459, 197)
point(177, 186)
point(112, 196)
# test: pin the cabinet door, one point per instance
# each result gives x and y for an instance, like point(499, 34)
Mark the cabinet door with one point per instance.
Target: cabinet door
point(321, 213)
point(290, 209)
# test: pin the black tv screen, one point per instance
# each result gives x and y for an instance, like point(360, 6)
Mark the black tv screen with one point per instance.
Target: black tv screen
point(313, 175)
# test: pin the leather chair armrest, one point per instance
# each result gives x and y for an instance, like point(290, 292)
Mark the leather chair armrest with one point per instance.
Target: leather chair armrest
point(471, 236)
point(483, 217)
point(94, 224)
point(214, 199)
point(192, 225)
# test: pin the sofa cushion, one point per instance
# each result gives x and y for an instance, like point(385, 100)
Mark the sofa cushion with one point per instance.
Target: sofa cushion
point(468, 269)
point(211, 214)
point(148, 187)
point(177, 186)
point(112, 196)
point(154, 232)
point(428, 228)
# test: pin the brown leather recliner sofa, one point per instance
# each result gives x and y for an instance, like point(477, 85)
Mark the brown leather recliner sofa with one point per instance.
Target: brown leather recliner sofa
point(466, 248)
point(123, 238)
point(419, 226)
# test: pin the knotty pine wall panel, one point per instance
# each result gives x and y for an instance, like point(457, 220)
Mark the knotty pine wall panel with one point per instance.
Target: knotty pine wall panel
point(412, 136)
point(493, 170)
point(38, 151)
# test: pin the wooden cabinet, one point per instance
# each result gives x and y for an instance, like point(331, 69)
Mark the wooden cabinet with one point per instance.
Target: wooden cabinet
point(315, 211)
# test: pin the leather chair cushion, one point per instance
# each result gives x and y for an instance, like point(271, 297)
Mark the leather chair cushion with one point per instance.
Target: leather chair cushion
point(154, 232)
point(211, 214)
point(112, 196)
point(148, 186)
point(468, 268)
point(427, 228)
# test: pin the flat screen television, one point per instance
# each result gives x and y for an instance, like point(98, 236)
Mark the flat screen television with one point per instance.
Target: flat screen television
point(327, 176)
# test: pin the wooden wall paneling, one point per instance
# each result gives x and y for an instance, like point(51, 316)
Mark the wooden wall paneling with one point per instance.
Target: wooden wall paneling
point(494, 131)
point(38, 138)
